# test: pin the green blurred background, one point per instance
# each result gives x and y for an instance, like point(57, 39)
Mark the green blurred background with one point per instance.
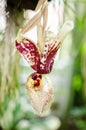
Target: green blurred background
point(68, 76)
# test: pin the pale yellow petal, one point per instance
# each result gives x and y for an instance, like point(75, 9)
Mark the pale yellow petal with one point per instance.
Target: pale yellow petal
point(41, 29)
point(39, 4)
point(34, 20)
point(66, 28)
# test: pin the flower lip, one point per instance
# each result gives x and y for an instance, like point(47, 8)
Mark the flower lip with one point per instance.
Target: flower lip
point(41, 93)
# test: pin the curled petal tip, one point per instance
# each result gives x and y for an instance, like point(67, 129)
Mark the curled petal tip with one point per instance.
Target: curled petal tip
point(69, 24)
point(66, 28)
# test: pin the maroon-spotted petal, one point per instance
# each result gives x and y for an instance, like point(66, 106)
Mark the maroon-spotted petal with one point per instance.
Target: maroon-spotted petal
point(42, 63)
point(30, 52)
point(47, 59)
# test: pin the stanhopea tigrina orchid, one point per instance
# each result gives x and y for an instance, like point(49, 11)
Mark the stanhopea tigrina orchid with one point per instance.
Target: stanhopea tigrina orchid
point(41, 56)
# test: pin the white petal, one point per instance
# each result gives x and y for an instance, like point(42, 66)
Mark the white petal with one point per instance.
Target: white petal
point(66, 28)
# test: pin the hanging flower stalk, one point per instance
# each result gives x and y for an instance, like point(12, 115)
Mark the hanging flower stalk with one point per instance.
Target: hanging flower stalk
point(41, 56)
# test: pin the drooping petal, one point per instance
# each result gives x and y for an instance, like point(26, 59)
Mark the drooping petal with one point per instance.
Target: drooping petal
point(50, 59)
point(30, 52)
point(47, 58)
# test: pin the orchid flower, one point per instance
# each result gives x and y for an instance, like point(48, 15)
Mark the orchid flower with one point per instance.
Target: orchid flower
point(41, 56)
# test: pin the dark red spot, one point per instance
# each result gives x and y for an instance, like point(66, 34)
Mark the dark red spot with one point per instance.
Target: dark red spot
point(36, 83)
point(40, 76)
point(45, 45)
point(34, 76)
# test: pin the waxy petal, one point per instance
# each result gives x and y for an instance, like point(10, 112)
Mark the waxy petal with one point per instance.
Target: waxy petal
point(47, 59)
point(42, 63)
point(30, 52)
point(41, 96)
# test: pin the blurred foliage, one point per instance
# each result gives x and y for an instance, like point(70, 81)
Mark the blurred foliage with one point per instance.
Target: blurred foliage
point(79, 50)
point(77, 118)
